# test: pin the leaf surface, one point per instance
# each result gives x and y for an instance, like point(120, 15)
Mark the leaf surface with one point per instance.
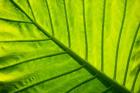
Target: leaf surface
point(52, 46)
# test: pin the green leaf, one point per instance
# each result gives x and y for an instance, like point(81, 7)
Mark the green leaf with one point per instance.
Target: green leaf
point(62, 46)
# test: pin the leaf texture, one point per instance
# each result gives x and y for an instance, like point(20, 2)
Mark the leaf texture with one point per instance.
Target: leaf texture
point(59, 46)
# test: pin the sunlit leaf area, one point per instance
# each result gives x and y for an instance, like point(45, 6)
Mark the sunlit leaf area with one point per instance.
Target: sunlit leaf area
point(69, 46)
